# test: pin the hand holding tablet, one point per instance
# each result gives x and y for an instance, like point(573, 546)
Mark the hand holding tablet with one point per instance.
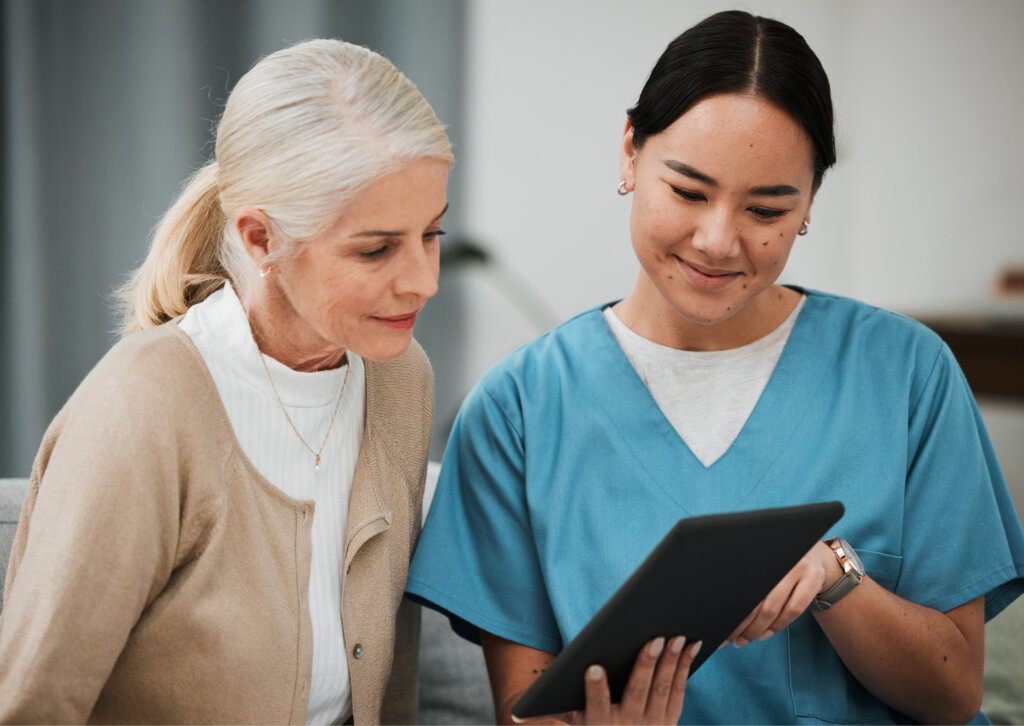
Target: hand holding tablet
point(687, 586)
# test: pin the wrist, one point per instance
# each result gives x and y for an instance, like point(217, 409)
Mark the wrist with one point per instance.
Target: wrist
point(852, 572)
point(830, 564)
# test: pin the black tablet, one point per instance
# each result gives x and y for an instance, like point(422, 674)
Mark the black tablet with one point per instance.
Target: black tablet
point(701, 581)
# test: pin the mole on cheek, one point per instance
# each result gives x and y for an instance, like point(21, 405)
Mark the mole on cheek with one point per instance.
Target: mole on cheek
point(765, 243)
point(670, 276)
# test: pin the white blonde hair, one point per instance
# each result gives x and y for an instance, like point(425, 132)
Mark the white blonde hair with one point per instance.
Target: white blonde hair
point(303, 132)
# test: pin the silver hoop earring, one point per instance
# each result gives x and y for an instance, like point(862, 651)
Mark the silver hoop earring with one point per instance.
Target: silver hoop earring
point(622, 188)
point(803, 230)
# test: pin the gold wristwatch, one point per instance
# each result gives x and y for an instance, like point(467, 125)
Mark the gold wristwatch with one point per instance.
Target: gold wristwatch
point(853, 573)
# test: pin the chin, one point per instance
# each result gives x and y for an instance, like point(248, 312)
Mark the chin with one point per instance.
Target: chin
point(706, 314)
point(381, 350)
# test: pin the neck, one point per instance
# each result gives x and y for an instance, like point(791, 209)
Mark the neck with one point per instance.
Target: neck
point(285, 339)
point(650, 316)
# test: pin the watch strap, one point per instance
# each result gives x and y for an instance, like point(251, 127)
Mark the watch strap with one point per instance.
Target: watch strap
point(839, 589)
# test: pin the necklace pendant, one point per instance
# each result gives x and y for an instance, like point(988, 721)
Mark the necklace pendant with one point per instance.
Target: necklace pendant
point(317, 467)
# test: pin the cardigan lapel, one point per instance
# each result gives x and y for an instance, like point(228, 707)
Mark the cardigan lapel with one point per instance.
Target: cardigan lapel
point(369, 509)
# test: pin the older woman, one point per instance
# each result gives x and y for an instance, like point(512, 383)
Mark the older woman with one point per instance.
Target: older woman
point(712, 388)
point(220, 519)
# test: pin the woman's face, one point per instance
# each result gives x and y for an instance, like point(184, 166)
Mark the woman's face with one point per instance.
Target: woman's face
point(719, 197)
point(359, 285)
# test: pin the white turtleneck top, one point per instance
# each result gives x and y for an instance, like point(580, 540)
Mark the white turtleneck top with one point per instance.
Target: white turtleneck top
point(219, 327)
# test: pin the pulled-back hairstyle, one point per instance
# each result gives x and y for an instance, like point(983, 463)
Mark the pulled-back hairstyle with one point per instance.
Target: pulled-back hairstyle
point(303, 132)
point(736, 52)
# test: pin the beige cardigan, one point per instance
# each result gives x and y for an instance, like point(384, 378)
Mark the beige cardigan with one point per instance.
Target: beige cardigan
point(157, 577)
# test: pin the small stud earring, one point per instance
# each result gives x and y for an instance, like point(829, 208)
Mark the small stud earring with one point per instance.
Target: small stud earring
point(264, 270)
point(803, 230)
point(622, 188)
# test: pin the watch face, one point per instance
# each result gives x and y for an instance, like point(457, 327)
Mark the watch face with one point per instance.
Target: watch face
point(851, 555)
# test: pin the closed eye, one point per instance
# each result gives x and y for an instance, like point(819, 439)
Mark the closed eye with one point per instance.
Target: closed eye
point(376, 253)
point(688, 195)
point(766, 213)
point(434, 235)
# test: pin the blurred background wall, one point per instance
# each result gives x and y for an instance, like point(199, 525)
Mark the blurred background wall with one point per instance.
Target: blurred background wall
point(108, 104)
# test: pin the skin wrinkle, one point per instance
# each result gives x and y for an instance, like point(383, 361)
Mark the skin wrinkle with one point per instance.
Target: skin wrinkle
point(380, 259)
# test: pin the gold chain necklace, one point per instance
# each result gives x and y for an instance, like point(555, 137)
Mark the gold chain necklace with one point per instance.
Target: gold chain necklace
point(334, 415)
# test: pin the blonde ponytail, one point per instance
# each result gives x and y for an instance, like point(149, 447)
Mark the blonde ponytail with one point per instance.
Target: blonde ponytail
point(183, 266)
point(303, 133)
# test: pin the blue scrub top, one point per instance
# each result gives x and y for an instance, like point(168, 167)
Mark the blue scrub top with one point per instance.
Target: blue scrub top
point(562, 474)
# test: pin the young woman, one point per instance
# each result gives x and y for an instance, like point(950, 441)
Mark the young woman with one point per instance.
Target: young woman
point(711, 388)
point(220, 519)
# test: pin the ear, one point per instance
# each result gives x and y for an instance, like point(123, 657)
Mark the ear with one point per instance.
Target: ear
point(810, 204)
point(254, 228)
point(626, 156)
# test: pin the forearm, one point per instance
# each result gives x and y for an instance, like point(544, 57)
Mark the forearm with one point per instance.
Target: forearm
point(921, 662)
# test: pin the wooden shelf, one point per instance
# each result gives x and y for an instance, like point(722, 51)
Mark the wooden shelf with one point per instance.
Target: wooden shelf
point(990, 352)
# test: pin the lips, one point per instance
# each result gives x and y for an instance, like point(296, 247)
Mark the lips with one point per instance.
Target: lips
point(401, 322)
point(706, 278)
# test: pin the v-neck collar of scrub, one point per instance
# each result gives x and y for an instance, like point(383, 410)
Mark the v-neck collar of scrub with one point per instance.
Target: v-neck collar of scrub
point(222, 317)
point(663, 454)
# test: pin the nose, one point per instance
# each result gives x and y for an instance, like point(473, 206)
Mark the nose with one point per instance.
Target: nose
point(419, 273)
point(717, 235)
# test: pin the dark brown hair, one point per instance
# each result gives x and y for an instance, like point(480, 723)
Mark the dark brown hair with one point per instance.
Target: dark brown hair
point(736, 52)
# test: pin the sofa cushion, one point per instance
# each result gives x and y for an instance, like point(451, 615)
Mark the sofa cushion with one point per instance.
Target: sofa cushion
point(12, 494)
point(454, 688)
point(1003, 700)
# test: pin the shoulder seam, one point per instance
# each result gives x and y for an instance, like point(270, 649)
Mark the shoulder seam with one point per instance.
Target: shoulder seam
point(501, 409)
point(928, 379)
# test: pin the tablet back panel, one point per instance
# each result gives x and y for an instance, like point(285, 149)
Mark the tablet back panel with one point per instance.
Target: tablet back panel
point(701, 581)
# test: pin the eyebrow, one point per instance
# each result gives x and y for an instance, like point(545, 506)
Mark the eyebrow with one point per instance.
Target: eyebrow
point(772, 190)
point(395, 233)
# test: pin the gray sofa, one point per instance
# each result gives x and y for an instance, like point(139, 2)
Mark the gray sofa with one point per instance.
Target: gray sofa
point(453, 680)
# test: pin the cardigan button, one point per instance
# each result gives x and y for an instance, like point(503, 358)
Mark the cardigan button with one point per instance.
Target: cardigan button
point(358, 650)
